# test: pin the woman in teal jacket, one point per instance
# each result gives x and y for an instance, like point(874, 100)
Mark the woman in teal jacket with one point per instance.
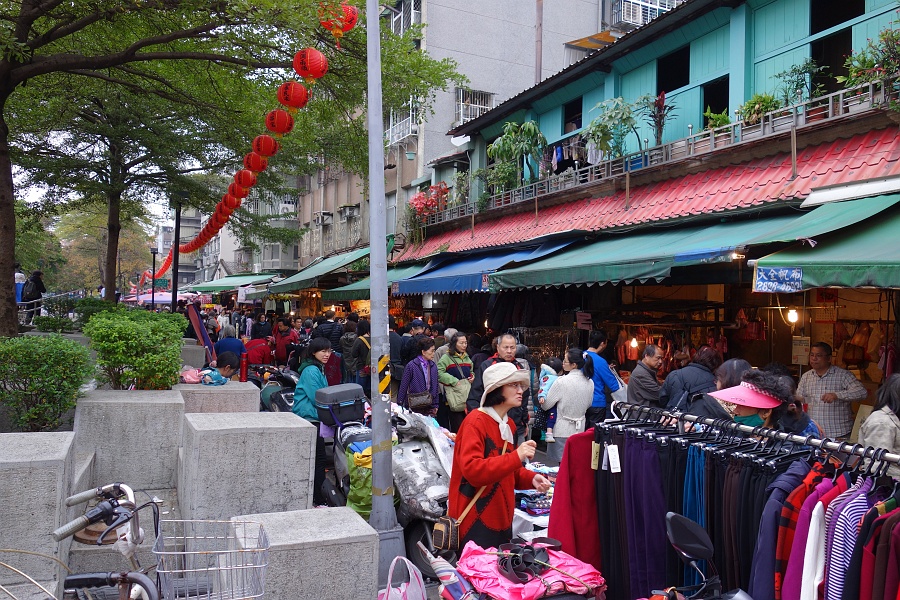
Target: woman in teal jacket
point(312, 378)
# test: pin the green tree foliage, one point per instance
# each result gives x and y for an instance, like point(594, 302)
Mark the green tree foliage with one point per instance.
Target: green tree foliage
point(127, 99)
point(36, 247)
point(39, 379)
point(136, 347)
point(519, 142)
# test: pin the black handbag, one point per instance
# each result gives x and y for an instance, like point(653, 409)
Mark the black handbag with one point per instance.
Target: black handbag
point(419, 402)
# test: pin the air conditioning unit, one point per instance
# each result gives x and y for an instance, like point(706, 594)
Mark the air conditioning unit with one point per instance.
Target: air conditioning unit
point(348, 211)
point(323, 218)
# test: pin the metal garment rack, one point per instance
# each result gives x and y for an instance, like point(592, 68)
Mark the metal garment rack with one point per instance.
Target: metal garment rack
point(879, 454)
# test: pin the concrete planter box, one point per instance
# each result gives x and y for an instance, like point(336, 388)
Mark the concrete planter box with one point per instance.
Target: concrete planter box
point(233, 397)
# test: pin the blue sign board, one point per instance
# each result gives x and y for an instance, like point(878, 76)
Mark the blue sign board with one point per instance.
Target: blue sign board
point(778, 279)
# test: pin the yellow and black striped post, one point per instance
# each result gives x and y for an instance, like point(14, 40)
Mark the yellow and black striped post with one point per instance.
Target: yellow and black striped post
point(384, 374)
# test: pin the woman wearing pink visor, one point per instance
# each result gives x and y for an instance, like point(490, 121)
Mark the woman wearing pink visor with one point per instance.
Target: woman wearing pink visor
point(760, 400)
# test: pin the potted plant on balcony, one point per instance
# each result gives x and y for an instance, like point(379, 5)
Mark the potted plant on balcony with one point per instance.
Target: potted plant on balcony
point(656, 112)
point(611, 126)
point(715, 121)
point(752, 113)
point(798, 84)
point(519, 143)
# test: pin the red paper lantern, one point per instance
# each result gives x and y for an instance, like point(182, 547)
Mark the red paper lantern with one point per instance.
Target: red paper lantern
point(245, 178)
point(265, 145)
point(338, 19)
point(255, 162)
point(235, 192)
point(222, 212)
point(293, 95)
point(279, 121)
point(309, 64)
point(188, 248)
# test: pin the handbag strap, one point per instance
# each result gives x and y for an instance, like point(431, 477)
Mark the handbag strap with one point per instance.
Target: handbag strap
point(366, 342)
point(478, 493)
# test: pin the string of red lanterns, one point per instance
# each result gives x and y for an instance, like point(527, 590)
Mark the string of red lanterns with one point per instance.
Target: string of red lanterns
point(310, 64)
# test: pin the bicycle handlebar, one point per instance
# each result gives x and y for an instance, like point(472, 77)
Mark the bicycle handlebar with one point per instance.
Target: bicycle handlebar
point(89, 580)
point(71, 528)
point(84, 496)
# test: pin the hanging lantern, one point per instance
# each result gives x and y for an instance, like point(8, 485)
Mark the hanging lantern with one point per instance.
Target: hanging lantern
point(255, 162)
point(293, 95)
point(310, 64)
point(235, 192)
point(222, 212)
point(245, 178)
point(279, 122)
point(188, 248)
point(338, 19)
point(265, 145)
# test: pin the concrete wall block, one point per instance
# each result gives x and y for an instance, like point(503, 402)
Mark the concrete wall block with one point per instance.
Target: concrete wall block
point(134, 435)
point(193, 355)
point(36, 470)
point(321, 553)
point(233, 397)
point(240, 463)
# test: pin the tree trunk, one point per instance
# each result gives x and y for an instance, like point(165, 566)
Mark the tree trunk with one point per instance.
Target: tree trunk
point(113, 227)
point(9, 313)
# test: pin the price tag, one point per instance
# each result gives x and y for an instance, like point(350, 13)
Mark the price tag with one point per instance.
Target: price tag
point(595, 455)
point(605, 456)
point(614, 464)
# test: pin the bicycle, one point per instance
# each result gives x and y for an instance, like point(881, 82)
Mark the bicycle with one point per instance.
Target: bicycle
point(221, 560)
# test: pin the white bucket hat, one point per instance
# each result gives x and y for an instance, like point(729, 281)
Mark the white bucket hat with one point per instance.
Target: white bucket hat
point(501, 373)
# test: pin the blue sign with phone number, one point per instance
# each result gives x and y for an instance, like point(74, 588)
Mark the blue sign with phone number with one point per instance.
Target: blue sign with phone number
point(778, 279)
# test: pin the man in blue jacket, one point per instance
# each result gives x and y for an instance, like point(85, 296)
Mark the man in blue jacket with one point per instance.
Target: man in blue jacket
point(603, 377)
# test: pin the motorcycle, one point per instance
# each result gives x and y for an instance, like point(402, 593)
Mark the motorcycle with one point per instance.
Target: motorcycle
point(276, 387)
point(421, 469)
point(692, 544)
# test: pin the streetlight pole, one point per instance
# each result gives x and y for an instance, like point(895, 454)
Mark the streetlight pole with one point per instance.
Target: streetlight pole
point(176, 242)
point(383, 517)
point(153, 251)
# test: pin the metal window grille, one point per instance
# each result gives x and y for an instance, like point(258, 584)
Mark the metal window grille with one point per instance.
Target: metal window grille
point(471, 104)
point(640, 12)
point(409, 13)
point(402, 123)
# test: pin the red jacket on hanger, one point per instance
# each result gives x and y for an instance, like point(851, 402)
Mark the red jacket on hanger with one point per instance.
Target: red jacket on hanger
point(573, 513)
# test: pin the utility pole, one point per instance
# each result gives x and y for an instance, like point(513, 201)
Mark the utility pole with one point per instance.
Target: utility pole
point(176, 242)
point(383, 518)
point(538, 40)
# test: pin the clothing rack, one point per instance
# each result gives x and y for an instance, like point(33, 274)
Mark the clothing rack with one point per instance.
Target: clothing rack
point(879, 454)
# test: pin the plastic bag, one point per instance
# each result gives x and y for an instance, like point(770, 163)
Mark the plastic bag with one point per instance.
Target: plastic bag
point(359, 496)
point(414, 590)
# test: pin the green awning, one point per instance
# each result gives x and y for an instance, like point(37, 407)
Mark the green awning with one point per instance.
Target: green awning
point(829, 217)
point(862, 256)
point(232, 282)
point(636, 256)
point(361, 290)
point(308, 276)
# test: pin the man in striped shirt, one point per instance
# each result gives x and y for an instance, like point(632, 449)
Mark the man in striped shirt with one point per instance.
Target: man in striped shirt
point(829, 390)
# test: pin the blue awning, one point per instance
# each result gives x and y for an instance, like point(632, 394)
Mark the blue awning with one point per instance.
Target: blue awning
point(470, 274)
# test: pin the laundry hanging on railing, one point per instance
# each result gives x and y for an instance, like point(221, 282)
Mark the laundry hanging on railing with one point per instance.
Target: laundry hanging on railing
point(756, 491)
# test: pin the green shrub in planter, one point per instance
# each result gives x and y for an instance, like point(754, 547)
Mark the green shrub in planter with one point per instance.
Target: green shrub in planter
point(88, 307)
point(40, 377)
point(137, 347)
point(61, 324)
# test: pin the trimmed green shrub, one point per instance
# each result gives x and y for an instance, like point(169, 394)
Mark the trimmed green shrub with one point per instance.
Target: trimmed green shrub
point(40, 377)
point(86, 308)
point(137, 348)
point(54, 324)
point(59, 306)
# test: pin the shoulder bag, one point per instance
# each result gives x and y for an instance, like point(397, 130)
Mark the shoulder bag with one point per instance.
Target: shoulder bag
point(421, 402)
point(366, 370)
point(459, 393)
point(446, 530)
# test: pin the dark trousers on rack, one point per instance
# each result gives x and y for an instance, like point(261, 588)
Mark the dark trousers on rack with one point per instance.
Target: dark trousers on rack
point(645, 517)
point(611, 509)
point(673, 461)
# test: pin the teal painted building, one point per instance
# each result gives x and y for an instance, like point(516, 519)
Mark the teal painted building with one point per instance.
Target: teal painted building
point(705, 53)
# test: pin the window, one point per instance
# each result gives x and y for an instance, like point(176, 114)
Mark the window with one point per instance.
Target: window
point(825, 14)
point(572, 115)
point(391, 212)
point(471, 104)
point(832, 51)
point(715, 96)
point(673, 70)
point(403, 15)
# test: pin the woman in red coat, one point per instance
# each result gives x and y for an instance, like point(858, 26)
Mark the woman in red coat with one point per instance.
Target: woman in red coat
point(479, 461)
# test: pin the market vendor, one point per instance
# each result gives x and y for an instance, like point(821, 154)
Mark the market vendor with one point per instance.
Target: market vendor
point(487, 466)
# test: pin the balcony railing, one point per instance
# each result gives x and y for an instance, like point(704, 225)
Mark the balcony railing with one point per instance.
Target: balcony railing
point(838, 105)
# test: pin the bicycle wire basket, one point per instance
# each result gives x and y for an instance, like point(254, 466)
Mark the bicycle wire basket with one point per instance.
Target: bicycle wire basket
point(211, 560)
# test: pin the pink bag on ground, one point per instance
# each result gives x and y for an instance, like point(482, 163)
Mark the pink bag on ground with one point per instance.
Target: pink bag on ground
point(479, 566)
point(414, 590)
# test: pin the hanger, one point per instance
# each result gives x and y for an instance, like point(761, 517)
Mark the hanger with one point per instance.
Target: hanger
point(845, 466)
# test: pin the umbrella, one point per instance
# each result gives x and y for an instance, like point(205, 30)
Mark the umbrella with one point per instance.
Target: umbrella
point(453, 586)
